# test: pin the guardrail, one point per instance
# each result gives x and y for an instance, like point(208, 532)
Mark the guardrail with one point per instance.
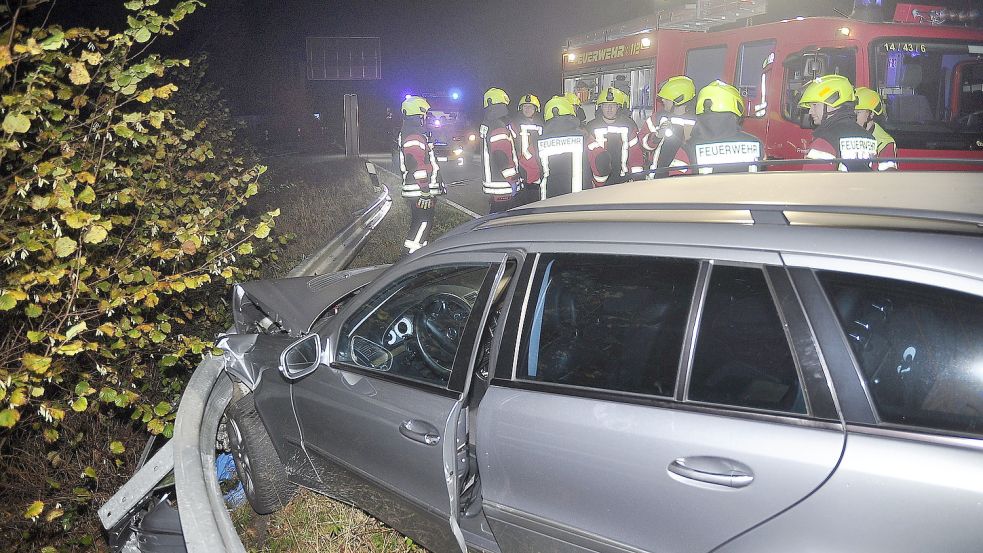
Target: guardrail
point(204, 519)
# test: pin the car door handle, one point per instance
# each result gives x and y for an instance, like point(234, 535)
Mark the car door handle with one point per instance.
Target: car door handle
point(713, 470)
point(420, 431)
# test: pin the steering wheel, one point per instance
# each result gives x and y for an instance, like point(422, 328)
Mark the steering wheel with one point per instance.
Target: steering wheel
point(439, 321)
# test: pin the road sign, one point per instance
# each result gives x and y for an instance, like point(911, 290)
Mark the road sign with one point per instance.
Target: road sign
point(344, 58)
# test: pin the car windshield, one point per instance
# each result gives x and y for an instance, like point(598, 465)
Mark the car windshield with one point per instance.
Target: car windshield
point(931, 89)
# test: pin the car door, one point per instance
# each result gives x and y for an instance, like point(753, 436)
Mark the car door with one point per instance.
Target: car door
point(376, 420)
point(905, 354)
point(653, 403)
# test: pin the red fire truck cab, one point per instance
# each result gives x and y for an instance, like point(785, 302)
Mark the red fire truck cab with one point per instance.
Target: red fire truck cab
point(929, 74)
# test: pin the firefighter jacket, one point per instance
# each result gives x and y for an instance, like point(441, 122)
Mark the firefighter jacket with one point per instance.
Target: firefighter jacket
point(525, 134)
point(620, 139)
point(839, 136)
point(718, 140)
point(886, 148)
point(500, 173)
point(662, 135)
point(421, 174)
point(571, 159)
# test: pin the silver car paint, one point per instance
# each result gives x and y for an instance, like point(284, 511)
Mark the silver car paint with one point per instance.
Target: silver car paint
point(891, 494)
point(601, 467)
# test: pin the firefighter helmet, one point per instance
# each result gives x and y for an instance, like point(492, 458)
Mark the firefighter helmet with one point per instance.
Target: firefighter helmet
point(869, 100)
point(530, 99)
point(678, 90)
point(722, 98)
point(572, 98)
point(557, 106)
point(832, 90)
point(612, 95)
point(496, 96)
point(415, 105)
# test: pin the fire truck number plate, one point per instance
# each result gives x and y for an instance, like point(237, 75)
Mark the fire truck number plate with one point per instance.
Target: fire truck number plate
point(905, 47)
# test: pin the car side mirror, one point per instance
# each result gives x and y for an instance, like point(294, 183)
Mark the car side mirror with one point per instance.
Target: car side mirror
point(301, 358)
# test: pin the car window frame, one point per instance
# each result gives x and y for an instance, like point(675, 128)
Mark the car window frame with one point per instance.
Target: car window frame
point(505, 355)
point(493, 261)
point(855, 400)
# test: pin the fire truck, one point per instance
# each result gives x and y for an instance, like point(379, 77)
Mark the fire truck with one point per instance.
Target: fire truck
point(927, 64)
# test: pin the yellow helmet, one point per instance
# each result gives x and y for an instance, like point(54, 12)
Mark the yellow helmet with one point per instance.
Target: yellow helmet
point(572, 98)
point(723, 98)
point(869, 100)
point(496, 96)
point(612, 95)
point(557, 106)
point(678, 90)
point(529, 99)
point(415, 105)
point(832, 90)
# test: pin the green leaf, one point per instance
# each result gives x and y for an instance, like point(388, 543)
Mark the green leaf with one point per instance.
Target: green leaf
point(33, 311)
point(9, 417)
point(162, 409)
point(168, 361)
point(35, 336)
point(157, 336)
point(117, 447)
point(65, 246)
point(7, 302)
point(55, 41)
point(80, 405)
point(83, 388)
point(34, 510)
point(75, 329)
point(87, 195)
point(95, 235)
point(36, 363)
point(15, 123)
point(133, 5)
point(107, 395)
point(142, 35)
point(262, 230)
point(245, 248)
point(156, 426)
point(89, 472)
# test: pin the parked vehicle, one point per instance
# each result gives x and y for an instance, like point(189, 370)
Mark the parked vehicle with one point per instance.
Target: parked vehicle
point(734, 363)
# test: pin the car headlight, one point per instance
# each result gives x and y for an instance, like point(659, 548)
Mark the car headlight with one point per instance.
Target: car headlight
point(458, 151)
point(472, 138)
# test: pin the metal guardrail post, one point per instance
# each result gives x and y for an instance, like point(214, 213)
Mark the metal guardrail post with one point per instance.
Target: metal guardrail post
point(351, 125)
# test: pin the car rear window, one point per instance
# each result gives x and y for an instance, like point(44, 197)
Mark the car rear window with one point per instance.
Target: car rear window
point(742, 353)
point(919, 348)
point(608, 322)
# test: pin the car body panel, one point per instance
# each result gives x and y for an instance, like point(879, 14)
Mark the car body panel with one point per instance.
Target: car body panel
point(890, 493)
point(561, 468)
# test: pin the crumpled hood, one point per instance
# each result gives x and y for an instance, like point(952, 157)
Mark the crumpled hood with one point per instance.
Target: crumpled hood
point(294, 304)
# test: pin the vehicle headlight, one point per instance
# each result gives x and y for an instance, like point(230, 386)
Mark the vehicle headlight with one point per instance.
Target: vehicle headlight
point(472, 138)
point(458, 151)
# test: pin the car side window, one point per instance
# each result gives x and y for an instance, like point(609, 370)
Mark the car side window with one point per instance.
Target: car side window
point(705, 65)
point(742, 355)
point(607, 322)
point(412, 329)
point(918, 347)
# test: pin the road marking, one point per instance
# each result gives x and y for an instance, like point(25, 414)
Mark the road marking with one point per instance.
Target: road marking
point(461, 208)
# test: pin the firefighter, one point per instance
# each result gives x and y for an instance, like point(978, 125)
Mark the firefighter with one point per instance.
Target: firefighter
point(575, 102)
point(527, 126)
point(869, 106)
point(421, 174)
point(665, 132)
point(500, 177)
point(717, 137)
point(568, 155)
point(831, 100)
point(614, 130)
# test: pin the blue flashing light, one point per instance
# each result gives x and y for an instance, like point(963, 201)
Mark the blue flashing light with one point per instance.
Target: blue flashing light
point(455, 95)
point(408, 96)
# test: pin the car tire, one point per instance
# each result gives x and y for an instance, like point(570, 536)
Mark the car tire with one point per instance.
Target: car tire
point(263, 475)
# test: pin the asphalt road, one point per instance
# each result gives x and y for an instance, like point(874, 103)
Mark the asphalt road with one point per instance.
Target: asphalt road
point(467, 195)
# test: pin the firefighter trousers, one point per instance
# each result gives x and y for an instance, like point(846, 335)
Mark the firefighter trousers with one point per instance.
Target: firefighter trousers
point(421, 225)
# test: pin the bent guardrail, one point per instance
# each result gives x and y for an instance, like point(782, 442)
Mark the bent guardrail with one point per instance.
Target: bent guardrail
point(190, 455)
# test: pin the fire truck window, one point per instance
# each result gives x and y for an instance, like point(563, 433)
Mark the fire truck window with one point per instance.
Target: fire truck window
point(803, 67)
point(933, 92)
point(641, 93)
point(705, 65)
point(750, 60)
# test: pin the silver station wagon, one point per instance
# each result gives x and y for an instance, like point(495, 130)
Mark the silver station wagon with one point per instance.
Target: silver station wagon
point(735, 363)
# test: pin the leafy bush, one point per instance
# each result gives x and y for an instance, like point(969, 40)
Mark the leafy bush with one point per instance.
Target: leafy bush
point(120, 231)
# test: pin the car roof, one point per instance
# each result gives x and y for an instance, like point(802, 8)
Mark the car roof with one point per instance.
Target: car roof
point(938, 199)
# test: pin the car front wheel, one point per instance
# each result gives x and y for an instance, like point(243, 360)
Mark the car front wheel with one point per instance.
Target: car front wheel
point(263, 476)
